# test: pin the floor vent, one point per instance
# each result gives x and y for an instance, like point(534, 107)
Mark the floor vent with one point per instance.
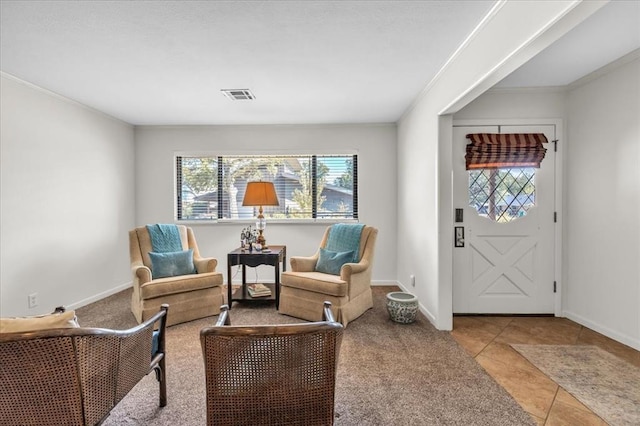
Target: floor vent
point(238, 94)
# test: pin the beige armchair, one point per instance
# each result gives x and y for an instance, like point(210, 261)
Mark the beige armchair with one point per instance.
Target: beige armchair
point(190, 296)
point(303, 289)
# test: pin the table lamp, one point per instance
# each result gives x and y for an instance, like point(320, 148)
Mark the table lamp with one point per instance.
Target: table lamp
point(260, 194)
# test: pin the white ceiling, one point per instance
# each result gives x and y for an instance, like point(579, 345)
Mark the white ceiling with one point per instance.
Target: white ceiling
point(610, 33)
point(165, 62)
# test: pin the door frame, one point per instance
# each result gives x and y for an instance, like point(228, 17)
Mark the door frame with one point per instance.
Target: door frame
point(559, 185)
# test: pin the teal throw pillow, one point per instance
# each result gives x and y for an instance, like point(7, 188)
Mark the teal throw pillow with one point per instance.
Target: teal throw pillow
point(172, 263)
point(330, 262)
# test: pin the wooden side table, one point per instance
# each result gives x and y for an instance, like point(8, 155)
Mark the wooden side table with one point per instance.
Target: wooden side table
point(274, 256)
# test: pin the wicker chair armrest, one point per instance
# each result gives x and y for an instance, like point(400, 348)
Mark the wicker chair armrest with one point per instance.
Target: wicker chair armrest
point(158, 322)
point(304, 264)
point(223, 318)
point(205, 264)
point(160, 319)
point(139, 360)
point(327, 314)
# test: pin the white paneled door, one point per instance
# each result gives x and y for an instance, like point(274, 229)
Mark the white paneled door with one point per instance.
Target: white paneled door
point(503, 255)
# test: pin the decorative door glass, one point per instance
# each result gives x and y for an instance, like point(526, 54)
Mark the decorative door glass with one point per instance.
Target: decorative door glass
point(502, 195)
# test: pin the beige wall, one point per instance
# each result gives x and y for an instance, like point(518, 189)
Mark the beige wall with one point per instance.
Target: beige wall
point(375, 145)
point(74, 181)
point(67, 200)
point(602, 204)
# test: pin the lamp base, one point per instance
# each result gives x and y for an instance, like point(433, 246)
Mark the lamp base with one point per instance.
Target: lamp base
point(261, 240)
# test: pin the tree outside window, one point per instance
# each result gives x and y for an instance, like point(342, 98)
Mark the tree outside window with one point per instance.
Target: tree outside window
point(299, 180)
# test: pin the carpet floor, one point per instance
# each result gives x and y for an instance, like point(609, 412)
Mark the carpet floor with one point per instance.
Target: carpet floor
point(603, 382)
point(388, 373)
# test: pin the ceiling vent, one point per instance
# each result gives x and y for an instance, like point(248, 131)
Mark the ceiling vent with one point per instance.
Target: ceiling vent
point(238, 94)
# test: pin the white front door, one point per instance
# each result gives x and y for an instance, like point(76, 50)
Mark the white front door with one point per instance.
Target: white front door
point(503, 255)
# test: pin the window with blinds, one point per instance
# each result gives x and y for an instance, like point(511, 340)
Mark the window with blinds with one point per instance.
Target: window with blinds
point(308, 186)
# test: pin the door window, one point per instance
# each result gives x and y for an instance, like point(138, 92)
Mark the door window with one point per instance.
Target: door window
point(502, 195)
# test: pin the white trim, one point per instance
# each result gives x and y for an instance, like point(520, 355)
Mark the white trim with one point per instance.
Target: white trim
point(620, 62)
point(507, 122)
point(63, 98)
point(574, 13)
point(622, 338)
point(254, 126)
point(267, 152)
point(559, 186)
point(430, 316)
point(98, 296)
point(444, 220)
point(485, 20)
point(524, 90)
point(624, 60)
point(385, 283)
point(455, 105)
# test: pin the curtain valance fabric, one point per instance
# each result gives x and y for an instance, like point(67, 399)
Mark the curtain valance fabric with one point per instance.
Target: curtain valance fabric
point(497, 150)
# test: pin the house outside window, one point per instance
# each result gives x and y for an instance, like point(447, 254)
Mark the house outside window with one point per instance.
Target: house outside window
point(308, 186)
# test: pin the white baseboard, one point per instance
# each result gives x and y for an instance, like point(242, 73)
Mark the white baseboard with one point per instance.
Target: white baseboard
point(374, 283)
point(98, 296)
point(381, 283)
point(119, 288)
point(423, 309)
point(622, 338)
point(429, 315)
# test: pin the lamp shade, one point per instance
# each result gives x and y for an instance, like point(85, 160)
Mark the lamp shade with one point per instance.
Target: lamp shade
point(260, 194)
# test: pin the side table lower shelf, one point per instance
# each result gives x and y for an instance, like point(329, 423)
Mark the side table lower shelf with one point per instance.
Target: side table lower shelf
point(274, 256)
point(241, 293)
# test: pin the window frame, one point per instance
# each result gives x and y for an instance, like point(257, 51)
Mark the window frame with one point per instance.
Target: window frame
point(219, 157)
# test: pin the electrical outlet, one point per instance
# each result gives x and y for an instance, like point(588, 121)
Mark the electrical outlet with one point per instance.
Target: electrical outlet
point(412, 278)
point(33, 300)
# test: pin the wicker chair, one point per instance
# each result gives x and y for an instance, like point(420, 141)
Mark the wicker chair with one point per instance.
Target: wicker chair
point(76, 376)
point(271, 374)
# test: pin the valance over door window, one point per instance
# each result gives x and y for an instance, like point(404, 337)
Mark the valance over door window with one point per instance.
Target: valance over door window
point(503, 150)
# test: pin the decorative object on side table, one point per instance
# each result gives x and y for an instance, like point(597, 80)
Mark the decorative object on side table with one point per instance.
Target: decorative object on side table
point(248, 238)
point(258, 290)
point(260, 194)
point(402, 307)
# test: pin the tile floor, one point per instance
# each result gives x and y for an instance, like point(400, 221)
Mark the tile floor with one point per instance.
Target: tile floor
point(487, 339)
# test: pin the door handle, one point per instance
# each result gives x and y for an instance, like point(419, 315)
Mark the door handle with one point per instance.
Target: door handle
point(458, 237)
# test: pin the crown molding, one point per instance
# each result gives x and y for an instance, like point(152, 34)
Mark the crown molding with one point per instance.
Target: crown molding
point(61, 97)
point(610, 67)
